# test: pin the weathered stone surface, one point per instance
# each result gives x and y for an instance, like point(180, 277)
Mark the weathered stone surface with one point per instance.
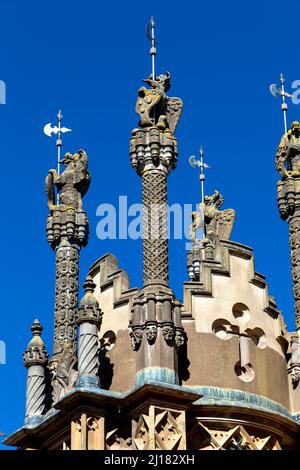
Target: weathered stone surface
point(67, 232)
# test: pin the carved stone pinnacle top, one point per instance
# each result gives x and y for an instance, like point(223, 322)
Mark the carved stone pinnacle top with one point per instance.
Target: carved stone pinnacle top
point(35, 353)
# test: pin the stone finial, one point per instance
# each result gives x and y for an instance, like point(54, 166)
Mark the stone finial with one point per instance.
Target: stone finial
point(35, 353)
point(89, 306)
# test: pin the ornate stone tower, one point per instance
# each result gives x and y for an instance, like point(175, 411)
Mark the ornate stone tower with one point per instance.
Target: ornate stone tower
point(156, 332)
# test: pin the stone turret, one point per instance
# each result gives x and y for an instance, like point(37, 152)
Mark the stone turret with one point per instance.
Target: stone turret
point(35, 360)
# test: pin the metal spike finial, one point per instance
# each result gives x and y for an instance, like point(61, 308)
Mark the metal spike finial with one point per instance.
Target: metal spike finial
point(49, 130)
point(151, 36)
point(281, 92)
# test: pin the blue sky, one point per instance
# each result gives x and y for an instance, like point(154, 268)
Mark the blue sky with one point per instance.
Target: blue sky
point(89, 58)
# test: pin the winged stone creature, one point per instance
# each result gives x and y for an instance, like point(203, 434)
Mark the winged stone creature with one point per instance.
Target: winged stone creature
point(216, 223)
point(72, 184)
point(155, 107)
point(288, 152)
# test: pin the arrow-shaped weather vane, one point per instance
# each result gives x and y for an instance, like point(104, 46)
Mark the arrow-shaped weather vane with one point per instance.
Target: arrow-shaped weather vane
point(281, 92)
point(48, 130)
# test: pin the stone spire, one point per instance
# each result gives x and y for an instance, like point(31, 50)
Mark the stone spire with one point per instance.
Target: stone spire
point(88, 319)
point(156, 322)
point(35, 360)
point(67, 232)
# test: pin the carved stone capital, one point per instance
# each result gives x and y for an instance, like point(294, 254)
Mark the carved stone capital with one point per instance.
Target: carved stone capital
point(153, 148)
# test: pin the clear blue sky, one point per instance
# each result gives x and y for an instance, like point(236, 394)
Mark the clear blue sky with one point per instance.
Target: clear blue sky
point(89, 58)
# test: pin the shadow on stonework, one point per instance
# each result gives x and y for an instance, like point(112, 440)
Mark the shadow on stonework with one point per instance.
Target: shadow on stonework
point(106, 368)
point(183, 362)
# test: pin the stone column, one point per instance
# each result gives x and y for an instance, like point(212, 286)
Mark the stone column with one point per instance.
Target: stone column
point(89, 320)
point(67, 233)
point(288, 199)
point(35, 360)
point(153, 154)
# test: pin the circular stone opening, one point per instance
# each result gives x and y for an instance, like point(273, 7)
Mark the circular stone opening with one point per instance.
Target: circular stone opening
point(241, 313)
point(245, 373)
point(259, 338)
point(221, 328)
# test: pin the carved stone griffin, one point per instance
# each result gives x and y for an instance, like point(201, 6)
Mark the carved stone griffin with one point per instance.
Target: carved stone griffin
point(72, 184)
point(216, 223)
point(155, 107)
point(288, 152)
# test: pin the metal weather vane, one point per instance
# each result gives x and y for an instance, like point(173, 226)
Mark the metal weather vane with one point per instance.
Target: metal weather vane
point(48, 130)
point(202, 165)
point(151, 36)
point(281, 92)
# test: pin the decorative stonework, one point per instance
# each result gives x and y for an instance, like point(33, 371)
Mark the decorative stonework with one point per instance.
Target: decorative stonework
point(288, 198)
point(156, 315)
point(294, 226)
point(155, 228)
point(87, 433)
point(160, 429)
point(66, 295)
point(202, 437)
point(67, 232)
point(156, 307)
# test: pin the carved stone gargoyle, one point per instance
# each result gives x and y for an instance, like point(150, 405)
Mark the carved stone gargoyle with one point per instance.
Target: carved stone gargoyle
point(154, 107)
